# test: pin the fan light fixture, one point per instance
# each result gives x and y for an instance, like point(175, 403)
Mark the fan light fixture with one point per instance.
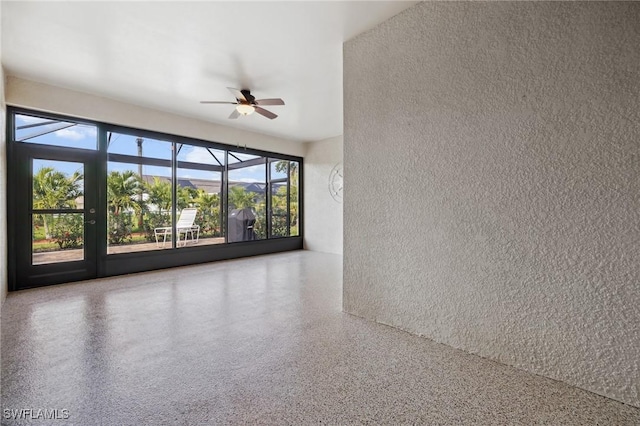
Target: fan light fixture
point(245, 109)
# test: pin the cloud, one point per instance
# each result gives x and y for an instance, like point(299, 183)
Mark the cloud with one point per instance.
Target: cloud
point(27, 119)
point(200, 155)
point(70, 134)
point(246, 180)
point(77, 133)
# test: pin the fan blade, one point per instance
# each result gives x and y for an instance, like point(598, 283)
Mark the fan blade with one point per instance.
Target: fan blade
point(235, 114)
point(266, 113)
point(219, 102)
point(277, 101)
point(237, 93)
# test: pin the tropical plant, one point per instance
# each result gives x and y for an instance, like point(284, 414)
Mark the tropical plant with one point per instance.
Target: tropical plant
point(124, 191)
point(279, 212)
point(153, 220)
point(68, 230)
point(260, 227)
point(208, 213)
point(186, 197)
point(281, 166)
point(124, 196)
point(119, 228)
point(53, 189)
point(293, 207)
point(278, 200)
point(159, 194)
point(240, 198)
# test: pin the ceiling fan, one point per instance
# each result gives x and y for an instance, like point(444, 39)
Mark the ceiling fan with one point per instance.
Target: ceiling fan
point(247, 104)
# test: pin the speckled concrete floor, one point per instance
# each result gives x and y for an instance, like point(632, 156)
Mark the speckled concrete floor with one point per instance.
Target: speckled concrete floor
point(254, 341)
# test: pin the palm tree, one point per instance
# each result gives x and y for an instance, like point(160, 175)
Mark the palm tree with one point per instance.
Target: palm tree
point(52, 189)
point(186, 196)
point(239, 198)
point(122, 191)
point(209, 211)
point(281, 166)
point(159, 194)
point(207, 202)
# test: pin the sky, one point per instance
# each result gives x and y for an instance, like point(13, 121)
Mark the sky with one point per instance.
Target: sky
point(85, 137)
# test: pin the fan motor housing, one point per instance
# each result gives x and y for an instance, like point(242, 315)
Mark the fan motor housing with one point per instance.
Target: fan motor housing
point(248, 96)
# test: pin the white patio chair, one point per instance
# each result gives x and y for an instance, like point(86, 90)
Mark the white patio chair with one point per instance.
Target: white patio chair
point(184, 225)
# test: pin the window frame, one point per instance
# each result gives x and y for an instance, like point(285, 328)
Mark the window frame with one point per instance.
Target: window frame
point(121, 263)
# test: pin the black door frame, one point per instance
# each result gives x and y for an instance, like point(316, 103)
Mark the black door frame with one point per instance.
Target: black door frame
point(26, 273)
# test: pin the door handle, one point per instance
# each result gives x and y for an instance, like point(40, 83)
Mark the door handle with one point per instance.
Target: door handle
point(91, 222)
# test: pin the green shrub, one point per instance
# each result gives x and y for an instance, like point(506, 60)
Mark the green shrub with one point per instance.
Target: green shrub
point(209, 222)
point(68, 231)
point(119, 229)
point(152, 221)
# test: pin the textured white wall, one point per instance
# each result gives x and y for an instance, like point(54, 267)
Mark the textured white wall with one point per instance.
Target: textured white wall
point(496, 163)
point(322, 214)
point(30, 94)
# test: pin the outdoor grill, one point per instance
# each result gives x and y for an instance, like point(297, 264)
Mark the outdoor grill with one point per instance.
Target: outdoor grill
point(241, 222)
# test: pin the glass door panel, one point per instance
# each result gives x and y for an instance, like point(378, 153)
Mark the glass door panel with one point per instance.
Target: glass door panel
point(57, 215)
point(57, 238)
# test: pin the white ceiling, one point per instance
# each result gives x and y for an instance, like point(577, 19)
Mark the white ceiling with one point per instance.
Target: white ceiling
point(171, 55)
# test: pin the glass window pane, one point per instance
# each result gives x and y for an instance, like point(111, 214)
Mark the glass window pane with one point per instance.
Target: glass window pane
point(200, 155)
point(57, 238)
point(119, 143)
point(44, 131)
point(238, 157)
point(247, 200)
point(279, 225)
point(279, 211)
point(278, 169)
point(294, 199)
point(199, 187)
point(284, 198)
point(139, 194)
point(139, 200)
point(57, 185)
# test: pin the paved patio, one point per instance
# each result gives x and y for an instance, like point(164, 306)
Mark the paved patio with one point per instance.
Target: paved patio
point(77, 254)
